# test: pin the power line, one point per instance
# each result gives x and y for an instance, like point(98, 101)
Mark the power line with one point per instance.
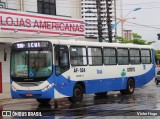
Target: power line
point(140, 29)
point(144, 3)
point(143, 25)
point(134, 27)
point(140, 26)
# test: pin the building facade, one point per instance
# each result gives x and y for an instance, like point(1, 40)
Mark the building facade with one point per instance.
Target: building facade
point(81, 9)
point(127, 34)
point(89, 14)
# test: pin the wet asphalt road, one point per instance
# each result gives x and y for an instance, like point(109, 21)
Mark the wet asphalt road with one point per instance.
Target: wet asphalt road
point(145, 99)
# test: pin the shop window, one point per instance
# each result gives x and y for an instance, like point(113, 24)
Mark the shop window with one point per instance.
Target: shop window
point(47, 6)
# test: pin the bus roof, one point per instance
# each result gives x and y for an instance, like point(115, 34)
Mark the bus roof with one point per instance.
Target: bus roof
point(89, 43)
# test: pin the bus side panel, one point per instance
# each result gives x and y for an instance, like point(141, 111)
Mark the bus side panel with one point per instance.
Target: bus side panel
point(63, 86)
point(103, 85)
point(145, 78)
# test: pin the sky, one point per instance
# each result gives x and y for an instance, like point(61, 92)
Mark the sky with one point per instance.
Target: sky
point(147, 18)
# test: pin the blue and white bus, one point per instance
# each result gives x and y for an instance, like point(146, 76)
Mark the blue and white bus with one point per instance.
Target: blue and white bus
point(53, 69)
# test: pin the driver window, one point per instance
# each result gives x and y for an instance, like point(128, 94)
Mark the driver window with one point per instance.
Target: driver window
point(61, 59)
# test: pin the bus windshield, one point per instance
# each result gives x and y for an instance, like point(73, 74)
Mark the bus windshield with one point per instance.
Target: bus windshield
point(31, 64)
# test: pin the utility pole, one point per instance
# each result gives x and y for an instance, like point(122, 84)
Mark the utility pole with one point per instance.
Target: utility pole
point(115, 18)
point(99, 20)
point(158, 36)
point(109, 12)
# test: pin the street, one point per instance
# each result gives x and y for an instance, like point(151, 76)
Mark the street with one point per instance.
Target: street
point(114, 104)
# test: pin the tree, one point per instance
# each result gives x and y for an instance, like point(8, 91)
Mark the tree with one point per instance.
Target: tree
point(136, 40)
point(122, 40)
point(135, 35)
point(157, 52)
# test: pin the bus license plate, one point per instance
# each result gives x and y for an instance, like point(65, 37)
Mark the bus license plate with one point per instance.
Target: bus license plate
point(29, 95)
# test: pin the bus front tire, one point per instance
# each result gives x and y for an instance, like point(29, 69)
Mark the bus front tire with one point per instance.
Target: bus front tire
point(103, 94)
point(77, 94)
point(43, 101)
point(130, 88)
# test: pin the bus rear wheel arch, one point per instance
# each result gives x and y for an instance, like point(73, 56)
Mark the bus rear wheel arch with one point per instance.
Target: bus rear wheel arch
point(130, 87)
point(78, 91)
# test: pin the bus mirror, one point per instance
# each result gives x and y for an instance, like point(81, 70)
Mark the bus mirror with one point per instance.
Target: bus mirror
point(5, 55)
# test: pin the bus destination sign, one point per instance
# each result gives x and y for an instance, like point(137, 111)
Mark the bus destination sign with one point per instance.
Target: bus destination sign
point(31, 45)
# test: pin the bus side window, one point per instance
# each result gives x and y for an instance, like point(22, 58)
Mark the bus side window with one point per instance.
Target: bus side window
point(61, 59)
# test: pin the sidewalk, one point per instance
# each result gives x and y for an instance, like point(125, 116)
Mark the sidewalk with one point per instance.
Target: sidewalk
point(5, 97)
point(5, 91)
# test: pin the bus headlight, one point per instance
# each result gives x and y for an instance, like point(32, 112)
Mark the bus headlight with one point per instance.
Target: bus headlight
point(47, 87)
point(14, 89)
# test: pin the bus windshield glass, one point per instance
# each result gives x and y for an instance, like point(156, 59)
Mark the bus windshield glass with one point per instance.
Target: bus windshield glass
point(31, 63)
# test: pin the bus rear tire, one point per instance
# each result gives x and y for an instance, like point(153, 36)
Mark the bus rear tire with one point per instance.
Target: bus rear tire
point(43, 101)
point(130, 88)
point(77, 94)
point(103, 94)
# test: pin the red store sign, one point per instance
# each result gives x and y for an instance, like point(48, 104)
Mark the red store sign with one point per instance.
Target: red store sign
point(23, 22)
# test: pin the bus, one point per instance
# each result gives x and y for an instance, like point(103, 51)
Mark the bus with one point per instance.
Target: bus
point(52, 69)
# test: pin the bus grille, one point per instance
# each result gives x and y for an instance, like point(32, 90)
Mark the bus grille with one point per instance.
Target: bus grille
point(29, 84)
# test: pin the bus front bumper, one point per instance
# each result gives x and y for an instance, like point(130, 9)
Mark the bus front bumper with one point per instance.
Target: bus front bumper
point(33, 93)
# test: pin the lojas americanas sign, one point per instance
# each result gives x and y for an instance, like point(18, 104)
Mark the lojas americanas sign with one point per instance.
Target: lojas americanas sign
point(23, 22)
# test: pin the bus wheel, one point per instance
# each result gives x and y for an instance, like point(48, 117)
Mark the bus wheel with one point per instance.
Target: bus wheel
point(77, 94)
point(101, 94)
point(130, 88)
point(43, 101)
